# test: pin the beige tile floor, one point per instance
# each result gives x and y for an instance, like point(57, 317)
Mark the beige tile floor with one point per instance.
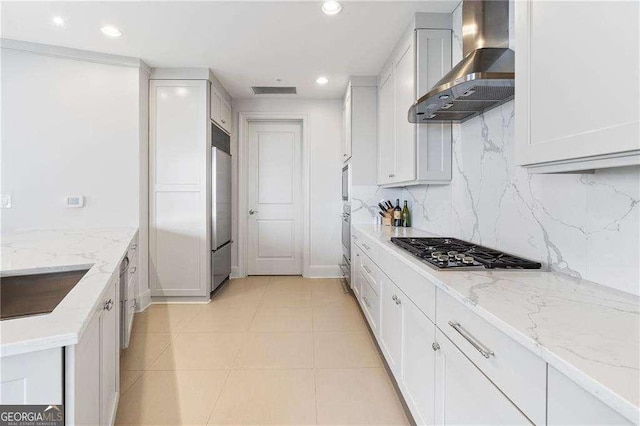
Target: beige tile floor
point(266, 350)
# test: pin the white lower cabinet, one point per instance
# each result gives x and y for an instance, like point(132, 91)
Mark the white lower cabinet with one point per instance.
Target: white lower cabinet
point(569, 404)
point(418, 363)
point(356, 283)
point(391, 324)
point(92, 367)
point(454, 367)
point(110, 359)
point(370, 303)
point(32, 378)
point(466, 396)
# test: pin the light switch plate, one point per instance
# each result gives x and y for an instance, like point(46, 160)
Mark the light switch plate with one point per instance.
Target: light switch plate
point(5, 201)
point(75, 201)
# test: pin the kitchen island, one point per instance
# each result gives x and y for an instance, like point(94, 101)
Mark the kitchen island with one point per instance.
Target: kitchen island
point(82, 333)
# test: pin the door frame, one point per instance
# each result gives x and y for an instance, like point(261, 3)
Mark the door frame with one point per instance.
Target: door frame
point(242, 155)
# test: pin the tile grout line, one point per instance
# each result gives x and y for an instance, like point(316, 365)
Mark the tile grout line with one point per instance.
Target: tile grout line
point(215, 404)
point(259, 303)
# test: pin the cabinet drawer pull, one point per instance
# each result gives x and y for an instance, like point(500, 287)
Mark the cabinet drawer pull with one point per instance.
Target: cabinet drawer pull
point(398, 301)
point(366, 268)
point(366, 302)
point(366, 247)
point(394, 297)
point(133, 270)
point(108, 305)
point(392, 175)
point(223, 121)
point(486, 352)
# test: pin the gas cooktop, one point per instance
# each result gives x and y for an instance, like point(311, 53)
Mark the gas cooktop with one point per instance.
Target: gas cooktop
point(451, 253)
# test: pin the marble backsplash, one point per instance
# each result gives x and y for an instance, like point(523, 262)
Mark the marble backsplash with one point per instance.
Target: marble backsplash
point(585, 225)
point(365, 199)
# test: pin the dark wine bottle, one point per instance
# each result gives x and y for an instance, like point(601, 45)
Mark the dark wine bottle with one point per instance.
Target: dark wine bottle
point(406, 216)
point(397, 214)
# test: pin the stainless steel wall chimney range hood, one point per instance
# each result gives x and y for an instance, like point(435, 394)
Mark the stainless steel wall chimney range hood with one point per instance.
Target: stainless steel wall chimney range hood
point(484, 79)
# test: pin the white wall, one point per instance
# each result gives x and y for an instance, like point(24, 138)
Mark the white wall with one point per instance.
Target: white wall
point(74, 127)
point(325, 154)
point(69, 128)
point(585, 225)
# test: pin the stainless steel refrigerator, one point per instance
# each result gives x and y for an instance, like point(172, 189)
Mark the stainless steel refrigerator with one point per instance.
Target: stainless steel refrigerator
point(220, 206)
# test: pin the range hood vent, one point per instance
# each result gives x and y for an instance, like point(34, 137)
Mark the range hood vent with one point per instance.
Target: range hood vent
point(274, 90)
point(484, 79)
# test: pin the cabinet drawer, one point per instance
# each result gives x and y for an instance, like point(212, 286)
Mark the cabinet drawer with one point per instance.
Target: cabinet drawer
point(519, 373)
point(419, 289)
point(367, 245)
point(370, 304)
point(372, 272)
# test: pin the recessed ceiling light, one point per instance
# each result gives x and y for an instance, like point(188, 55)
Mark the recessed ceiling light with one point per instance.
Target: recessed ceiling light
point(111, 31)
point(58, 21)
point(322, 80)
point(331, 7)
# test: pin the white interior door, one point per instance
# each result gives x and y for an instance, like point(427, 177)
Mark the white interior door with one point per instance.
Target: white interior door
point(275, 198)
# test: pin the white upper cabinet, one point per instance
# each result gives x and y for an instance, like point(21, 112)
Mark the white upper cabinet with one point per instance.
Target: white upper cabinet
point(577, 85)
point(220, 109)
point(405, 95)
point(409, 153)
point(386, 129)
point(346, 138)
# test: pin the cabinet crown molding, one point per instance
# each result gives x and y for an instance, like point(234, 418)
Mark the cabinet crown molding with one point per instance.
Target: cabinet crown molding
point(74, 54)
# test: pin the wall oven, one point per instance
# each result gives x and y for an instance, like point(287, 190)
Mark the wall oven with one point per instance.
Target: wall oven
point(345, 266)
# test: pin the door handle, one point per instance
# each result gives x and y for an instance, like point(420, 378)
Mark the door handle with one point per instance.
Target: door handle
point(252, 212)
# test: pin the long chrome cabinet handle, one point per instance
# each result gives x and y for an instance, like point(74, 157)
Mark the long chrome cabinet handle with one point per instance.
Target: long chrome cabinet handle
point(486, 352)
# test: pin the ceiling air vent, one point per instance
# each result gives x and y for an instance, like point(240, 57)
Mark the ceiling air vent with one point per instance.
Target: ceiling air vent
point(273, 90)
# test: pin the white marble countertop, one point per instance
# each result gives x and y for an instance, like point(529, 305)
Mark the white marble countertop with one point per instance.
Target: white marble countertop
point(31, 252)
point(589, 332)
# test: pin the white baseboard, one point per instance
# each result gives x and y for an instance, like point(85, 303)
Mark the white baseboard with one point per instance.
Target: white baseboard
point(144, 300)
point(324, 271)
point(316, 271)
point(235, 272)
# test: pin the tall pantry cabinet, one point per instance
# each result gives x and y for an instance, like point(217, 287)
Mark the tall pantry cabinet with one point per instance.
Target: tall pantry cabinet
point(179, 182)
point(410, 154)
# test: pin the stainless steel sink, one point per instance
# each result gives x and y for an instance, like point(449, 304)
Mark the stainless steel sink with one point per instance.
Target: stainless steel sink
point(25, 295)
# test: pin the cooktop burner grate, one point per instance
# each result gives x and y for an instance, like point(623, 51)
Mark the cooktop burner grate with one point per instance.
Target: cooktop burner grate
point(451, 253)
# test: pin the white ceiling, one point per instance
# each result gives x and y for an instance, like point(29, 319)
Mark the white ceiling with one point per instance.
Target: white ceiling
point(245, 43)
